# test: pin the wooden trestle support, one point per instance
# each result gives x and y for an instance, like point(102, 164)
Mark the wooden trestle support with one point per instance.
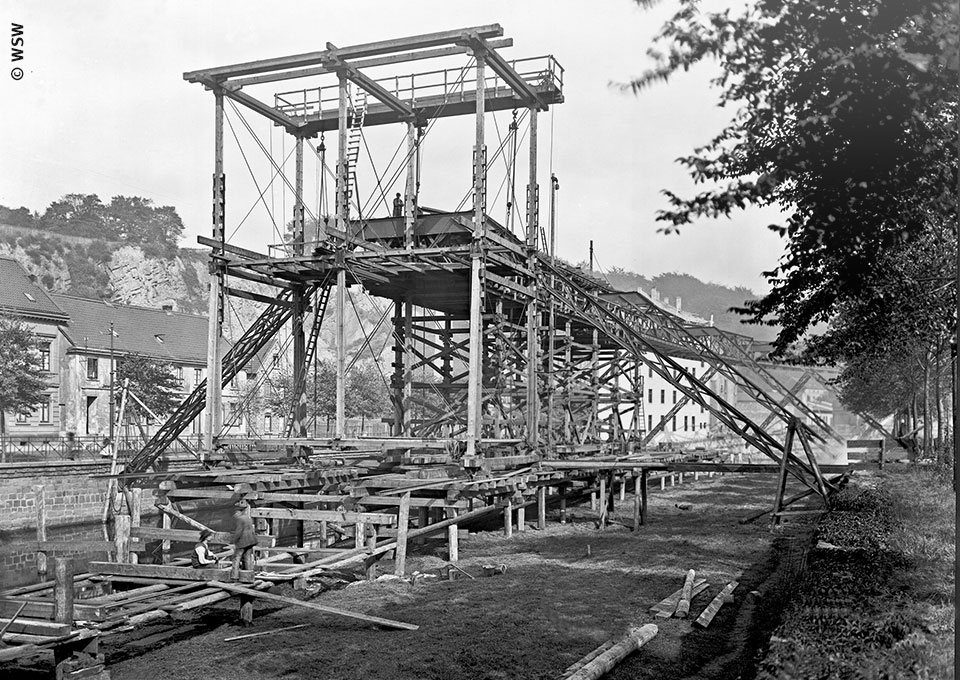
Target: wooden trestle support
point(517, 381)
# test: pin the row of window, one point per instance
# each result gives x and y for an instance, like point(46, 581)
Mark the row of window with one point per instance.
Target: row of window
point(43, 411)
point(689, 423)
point(663, 398)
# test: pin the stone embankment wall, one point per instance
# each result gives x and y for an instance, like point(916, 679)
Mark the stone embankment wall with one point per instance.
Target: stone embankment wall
point(71, 495)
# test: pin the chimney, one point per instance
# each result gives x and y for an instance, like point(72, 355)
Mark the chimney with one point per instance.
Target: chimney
point(655, 294)
point(168, 307)
point(678, 304)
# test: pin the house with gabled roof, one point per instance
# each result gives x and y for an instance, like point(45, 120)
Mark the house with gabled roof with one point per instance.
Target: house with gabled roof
point(23, 298)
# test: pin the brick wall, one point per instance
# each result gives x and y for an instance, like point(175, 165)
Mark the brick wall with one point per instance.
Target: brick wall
point(71, 495)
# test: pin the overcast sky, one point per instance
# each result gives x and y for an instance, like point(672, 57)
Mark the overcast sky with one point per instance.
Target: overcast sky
point(103, 108)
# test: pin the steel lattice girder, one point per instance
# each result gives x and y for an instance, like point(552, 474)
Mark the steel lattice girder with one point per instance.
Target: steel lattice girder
point(599, 313)
point(253, 340)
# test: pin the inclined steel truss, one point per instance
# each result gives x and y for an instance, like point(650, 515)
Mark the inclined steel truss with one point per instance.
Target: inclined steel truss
point(266, 327)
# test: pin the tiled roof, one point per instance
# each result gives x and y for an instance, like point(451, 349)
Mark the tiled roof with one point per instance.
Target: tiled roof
point(20, 296)
point(156, 333)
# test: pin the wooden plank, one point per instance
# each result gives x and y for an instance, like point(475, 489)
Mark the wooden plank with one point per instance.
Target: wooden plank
point(724, 596)
point(34, 627)
point(240, 590)
point(76, 546)
point(265, 632)
point(192, 536)
point(325, 515)
point(159, 571)
point(44, 609)
point(403, 526)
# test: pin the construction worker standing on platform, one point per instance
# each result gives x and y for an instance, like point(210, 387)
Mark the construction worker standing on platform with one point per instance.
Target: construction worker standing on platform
point(397, 205)
point(244, 539)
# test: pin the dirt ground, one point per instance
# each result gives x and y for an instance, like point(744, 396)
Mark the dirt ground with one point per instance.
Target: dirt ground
point(554, 604)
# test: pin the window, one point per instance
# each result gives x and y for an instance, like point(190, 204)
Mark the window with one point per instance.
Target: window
point(197, 376)
point(45, 411)
point(649, 372)
point(268, 422)
point(21, 417)
point(649, 423)
point(674, 396)
point(92, 368)
point(45, 357)
point(674, 423)
point(663, 396)
point(693, 371)
point(650, 396)
point(180, 374)
point(685, 423)
point(693, 422)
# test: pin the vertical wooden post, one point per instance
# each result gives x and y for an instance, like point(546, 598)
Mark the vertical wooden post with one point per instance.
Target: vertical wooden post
point(359, 534)
point(371, 546)
point(643, 496)
point(663, 483)
point(324, 536)
point(121, 536)
point(637, 514)
point(521, 517)
point(423, 519)
point(475, 342)
point(136, 496)
point(403, 526)
point(623, 489)
point(533, 314)
point(41, 503)
point(542, 508)
point(399, 367)
point(167, 523)
point(883, 444)
point(63, 590)
point(453, 537)
point(246, 610)
point(343, 218)
point(603, 501)
point(508, 519)
point(408, 361)
point(563, 505)
point(409, 206)
point(214, 413)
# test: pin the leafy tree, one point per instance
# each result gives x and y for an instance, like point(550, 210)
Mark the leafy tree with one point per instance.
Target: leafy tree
point(153, 381)
point(22, 382)
point(844, 117)
point(20, 217)
point(367, 395)
point(75, 215)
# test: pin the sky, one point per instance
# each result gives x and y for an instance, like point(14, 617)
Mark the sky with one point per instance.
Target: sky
point(102, 108)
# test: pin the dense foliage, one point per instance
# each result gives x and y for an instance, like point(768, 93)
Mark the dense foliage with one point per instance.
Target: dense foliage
point(22, 380)
point(125, 219)
point(844, 117)
point(153, 382)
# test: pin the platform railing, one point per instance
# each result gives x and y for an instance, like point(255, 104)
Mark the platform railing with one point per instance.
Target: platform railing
point(451, 84)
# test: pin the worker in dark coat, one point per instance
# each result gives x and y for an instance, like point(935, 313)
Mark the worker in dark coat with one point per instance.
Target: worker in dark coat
point(398, 206)
point(244, 539)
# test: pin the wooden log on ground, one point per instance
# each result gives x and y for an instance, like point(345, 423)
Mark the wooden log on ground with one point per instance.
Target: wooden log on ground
point(724, 596)
point(34, 627)
point(603, 663)
point(668, 605)
point(686, 594)
point(240, 590)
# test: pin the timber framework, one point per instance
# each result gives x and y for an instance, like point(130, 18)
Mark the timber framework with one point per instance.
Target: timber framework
point(516, 380)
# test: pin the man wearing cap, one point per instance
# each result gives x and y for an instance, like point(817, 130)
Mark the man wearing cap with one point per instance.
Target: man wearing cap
point(244, 538)
point(201, 557)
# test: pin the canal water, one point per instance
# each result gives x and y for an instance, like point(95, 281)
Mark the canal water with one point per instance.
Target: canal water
point(18, 557)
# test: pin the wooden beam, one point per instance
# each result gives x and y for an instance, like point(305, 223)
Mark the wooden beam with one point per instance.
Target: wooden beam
point(365, 63)
point(34, 627)
point(324, 515)
point(250, 592)
point(602, 663)
point(164, 572)
point(724, 596)
point(191, 536)
point(352, 52)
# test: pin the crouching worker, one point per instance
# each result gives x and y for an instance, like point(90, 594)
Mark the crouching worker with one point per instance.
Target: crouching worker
point(201, 557)
point(244, 539)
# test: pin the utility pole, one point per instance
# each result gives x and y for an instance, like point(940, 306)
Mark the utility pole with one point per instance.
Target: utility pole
point(591, 256)
point(112, 378)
